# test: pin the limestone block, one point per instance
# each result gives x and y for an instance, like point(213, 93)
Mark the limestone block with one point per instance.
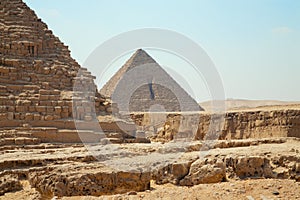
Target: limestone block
point(65, 109)
point(10, 115)
point(60, 103)
point(44, 92)
point(3, 116)
point(17, 116)
point(64, 114)
point(20, 108)
point(49, 118)
point(58, 110)
point(36, 117)
point(28, 116)
point(32, 109)
point(202, 172)
point(49, 109)
point(55, 92)
point(56, 117)
point(41, 109)
point(53, 97)
point(22, 116)
point(70, 103)
point(10, 103)
point(19, 141)
point(44, 97)
point(45, 103)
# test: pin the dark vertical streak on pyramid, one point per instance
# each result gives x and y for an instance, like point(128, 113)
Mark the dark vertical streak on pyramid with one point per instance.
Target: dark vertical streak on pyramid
point(152, 86)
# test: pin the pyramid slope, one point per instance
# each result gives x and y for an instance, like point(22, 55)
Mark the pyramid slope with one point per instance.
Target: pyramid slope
point(140, 57)
point(163, 89)
point(37, 75)
point(28, 45)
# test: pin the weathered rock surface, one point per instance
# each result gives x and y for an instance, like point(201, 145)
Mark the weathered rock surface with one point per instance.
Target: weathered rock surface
point(68, 170)
point(276, 122)
point(9, 183)
point(93, 180)
point(205, 171)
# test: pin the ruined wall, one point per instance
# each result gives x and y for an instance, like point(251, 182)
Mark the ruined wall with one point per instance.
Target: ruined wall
point(237, 125)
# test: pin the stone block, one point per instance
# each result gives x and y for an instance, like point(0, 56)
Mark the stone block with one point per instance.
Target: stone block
point(19, 141)
point(20, 108)
point(22, 116)
point(57, 109)
point(44, 97)
point(10, 108)
point(28, 116)
point(41, 109)
point(36, 117)
point(60, 103)
point(45, 92)
point(49, 109)
point(65, 109)
point(10, 115)
point(53, 103)
point(55, 92)
point(64, 115)
point(3, 116)
point(49, 118)
point(53, 97)
point(32, 109)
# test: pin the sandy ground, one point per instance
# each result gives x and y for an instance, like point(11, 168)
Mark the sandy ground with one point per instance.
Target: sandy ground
point(260, 189)
point(250, 105)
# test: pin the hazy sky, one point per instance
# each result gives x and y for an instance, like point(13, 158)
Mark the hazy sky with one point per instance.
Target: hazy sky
point(255, 44)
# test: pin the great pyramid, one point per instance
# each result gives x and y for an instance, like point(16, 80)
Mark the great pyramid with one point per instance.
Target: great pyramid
point(142, 83)
point(37, 75)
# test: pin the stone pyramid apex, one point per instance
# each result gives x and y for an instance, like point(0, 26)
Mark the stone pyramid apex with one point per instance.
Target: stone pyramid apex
point(140, 57)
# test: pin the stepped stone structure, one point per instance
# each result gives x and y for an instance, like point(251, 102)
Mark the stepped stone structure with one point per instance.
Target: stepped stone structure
point(141, 84)
point(37, 73)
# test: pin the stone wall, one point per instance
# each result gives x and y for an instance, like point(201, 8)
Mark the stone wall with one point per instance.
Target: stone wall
point(237, 125)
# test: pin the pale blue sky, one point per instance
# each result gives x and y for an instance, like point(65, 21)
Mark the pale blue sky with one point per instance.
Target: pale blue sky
point(254, 44)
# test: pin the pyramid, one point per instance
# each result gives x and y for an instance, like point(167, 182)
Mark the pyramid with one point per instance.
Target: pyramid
point(142, 85)
point(37, 75)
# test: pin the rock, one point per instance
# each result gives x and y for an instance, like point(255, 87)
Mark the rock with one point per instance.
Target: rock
point(93, 180)
point(205, 171)
point(9, 183)
point(254, 166)
point(237, 125)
